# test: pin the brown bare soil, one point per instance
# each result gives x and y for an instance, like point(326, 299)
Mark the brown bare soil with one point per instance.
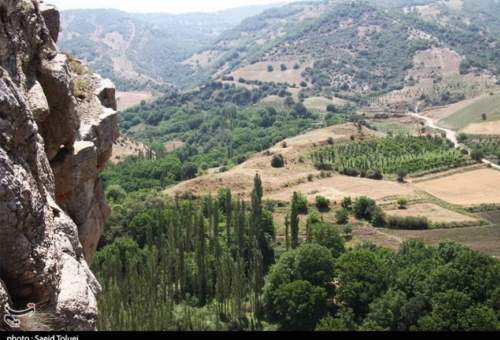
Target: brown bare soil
point(125, 147)
point(434, 213)
point(468, 188)
point(338, 187)
point(127, 100)
point(486, 128)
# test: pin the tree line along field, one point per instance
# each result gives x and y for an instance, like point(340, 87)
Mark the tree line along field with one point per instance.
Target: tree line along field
point(390, 155)
point(486, 147)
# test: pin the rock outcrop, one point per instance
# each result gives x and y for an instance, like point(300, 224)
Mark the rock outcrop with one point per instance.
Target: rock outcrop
point(57, 127)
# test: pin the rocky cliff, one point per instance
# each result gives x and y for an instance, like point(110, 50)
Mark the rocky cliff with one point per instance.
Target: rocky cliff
point(57, 127)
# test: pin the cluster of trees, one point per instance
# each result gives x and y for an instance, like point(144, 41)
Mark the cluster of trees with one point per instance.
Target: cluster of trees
point(216, 137)
point(215, 263)
point(390, 155)
point(181, 257)
point(483, 147)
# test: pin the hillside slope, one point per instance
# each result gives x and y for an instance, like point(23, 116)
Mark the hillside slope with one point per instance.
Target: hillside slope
point(417, 51)
point(144, 51)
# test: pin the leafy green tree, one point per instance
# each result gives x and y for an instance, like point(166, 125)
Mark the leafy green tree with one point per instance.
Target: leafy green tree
point(402, 203)
point(385, 313)
point(115, 194)
point(402, 173)
point(314, 263)
point(363, 208)
point(326, 235)
point(346, 203)
point(344, 321)
point(278, 161)
point(294, 221)
point(299, 306)
point(342, 216)
point(322, 203)
point(362, 276)
point(378, 218)
point(189, 171)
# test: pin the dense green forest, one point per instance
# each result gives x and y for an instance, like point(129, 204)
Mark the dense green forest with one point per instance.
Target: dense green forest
point(216, 264)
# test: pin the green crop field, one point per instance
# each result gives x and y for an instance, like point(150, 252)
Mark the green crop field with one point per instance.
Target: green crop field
point(389, 155)
point(473, 113)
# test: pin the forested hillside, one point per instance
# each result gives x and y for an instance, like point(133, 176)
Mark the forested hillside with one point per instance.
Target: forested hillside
point(363, 49)
point(144, 51)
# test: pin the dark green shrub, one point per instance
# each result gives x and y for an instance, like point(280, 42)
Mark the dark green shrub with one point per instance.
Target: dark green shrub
point(278, 161)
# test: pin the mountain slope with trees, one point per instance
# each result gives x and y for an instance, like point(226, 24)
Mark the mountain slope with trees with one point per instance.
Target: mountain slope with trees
point(144, 51)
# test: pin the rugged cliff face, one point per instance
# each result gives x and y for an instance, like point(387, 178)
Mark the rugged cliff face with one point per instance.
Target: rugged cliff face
point(57, 127)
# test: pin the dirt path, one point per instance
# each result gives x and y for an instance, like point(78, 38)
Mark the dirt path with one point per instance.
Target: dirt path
point(450, 134)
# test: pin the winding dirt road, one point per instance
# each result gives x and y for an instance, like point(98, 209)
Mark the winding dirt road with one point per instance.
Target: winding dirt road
point(450, 134)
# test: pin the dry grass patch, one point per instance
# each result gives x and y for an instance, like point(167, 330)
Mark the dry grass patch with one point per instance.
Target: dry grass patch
point(434, 213)
point(486, 128)
point(338, 187)
point(129, 99)
point(259, 71)
point(125, 147)
point(467, 189)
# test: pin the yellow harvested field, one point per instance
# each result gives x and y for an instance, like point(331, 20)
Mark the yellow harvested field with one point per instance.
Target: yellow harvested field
point(127, 100)
point(259, 71)
point(434, 213)
point(486, 128)
point(468, 188)
point(338, 187)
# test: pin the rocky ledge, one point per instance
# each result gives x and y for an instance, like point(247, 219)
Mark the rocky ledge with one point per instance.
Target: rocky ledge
point(57, 127)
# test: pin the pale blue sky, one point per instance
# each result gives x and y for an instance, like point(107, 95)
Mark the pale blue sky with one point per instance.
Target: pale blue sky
point(170, 6)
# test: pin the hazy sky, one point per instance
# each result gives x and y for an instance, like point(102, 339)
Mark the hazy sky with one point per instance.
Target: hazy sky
point(170, 6)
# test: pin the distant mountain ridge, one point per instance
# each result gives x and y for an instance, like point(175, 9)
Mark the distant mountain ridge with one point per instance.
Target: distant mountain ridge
point(144, 50)
point(409, 50)
point(398, 53)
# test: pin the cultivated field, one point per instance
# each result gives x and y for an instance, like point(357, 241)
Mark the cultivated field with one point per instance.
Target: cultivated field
point(468, 188)
point(434, 213)
point(403, 125)
point(444, 112)
point(490, 105)
point(484, 239)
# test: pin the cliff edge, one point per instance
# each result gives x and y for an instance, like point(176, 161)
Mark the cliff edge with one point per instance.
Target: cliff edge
point(57, 127)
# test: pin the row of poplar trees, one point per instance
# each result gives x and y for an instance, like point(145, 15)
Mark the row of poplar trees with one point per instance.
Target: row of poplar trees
point(197, 265)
